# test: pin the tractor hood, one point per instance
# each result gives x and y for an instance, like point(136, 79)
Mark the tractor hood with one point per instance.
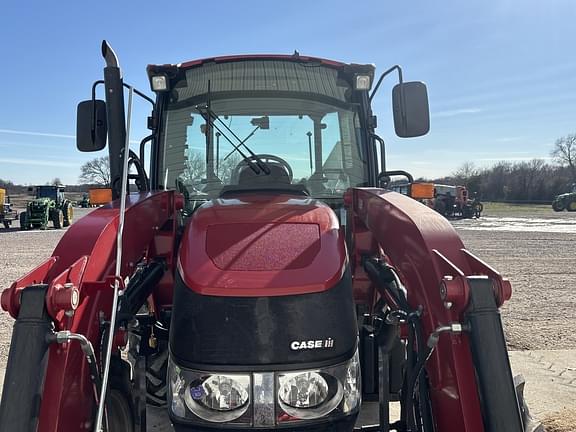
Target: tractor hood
point(262, 281)
point(262, 245)
point(565, 195)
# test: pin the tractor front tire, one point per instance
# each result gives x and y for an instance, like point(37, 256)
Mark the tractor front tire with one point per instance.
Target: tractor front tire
point(68, 211)
point(24, 221)
point(571, 206)
point(6, 224)
point(120, 417)
point(57, 218)
point(478, 209)
point(558, 206)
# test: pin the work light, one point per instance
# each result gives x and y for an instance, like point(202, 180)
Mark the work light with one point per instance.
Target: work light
point(159, 83)
point(362, 82)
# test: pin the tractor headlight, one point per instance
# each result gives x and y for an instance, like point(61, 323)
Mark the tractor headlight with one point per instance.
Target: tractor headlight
point(303, 390)
point(264, 399)
point(216, 398)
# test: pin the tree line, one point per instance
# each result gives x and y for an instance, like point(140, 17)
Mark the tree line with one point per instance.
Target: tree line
point(525, 181)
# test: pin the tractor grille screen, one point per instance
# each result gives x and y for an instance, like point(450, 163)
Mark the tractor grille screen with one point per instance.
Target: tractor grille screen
point(263, 76)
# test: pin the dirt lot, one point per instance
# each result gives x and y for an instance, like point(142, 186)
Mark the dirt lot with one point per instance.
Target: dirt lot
point(535, 249)
point(538, 255)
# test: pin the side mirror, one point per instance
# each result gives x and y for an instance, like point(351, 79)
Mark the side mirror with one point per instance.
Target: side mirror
point(411, 112)
point(91, 126)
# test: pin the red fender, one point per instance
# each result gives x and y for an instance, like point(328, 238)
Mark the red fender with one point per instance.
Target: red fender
point(86, 256)
point(433, 264)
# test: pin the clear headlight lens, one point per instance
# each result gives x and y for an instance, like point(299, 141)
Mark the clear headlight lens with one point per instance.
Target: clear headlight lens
point(309, 395)
point(279, 397)
point(303, 390)
point(221, 392)
point(216, 398)
point(352, 389)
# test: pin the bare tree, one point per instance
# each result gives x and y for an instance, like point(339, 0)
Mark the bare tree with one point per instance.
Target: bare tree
point(96, 171)
point(466, 171)
point(564, 153)
point(194, 167)
point(56, 181)
point(226, 166)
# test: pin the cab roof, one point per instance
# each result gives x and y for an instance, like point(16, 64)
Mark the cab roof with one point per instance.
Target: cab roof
point(156, 68)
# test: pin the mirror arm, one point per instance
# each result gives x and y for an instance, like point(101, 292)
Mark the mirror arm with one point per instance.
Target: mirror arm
point(93, 128)
point(388, 72)
point(142, 95)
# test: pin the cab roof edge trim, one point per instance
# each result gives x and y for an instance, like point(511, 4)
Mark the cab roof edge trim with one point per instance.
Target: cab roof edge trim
point(233, 58)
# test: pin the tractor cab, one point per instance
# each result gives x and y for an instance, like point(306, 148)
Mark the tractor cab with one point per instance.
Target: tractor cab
point(54, 193)
point(260, 125)
point(263, 149)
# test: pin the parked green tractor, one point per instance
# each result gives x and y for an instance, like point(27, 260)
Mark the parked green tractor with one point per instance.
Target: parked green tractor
point(50, 205)
point(85, 201)
point(565, 201)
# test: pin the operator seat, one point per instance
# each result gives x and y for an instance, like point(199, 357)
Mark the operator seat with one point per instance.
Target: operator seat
point(277, 181)
point(278, 175)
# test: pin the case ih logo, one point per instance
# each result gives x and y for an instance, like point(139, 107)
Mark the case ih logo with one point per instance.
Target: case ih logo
point(311, 344)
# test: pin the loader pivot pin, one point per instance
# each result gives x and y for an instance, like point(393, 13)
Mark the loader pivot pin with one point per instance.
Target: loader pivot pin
point(64, 298)
point(454, 291)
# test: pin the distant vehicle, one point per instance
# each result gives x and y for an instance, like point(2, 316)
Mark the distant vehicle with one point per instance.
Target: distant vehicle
point(454, 201)
point(449, 201)
point(565, 201)
point(99, 196)
point(50, 205)
point(85, 201)
point(7, 214)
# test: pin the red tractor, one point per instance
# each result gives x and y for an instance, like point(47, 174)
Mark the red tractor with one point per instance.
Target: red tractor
point(261, 279)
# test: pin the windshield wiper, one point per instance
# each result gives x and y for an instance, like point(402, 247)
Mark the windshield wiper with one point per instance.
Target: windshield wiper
point(243, 142)
point(210, 117)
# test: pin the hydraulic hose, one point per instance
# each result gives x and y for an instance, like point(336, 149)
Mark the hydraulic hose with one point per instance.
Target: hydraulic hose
point(386, 277)
point(88, 350)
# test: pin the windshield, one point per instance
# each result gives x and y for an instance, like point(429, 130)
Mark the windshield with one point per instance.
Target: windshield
point(296, 119)
point(47, 192)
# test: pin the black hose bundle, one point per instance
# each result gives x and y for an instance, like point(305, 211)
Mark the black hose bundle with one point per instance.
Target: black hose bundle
point(417, 350)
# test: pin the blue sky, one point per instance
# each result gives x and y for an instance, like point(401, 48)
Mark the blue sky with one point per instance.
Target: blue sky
point(501, 74)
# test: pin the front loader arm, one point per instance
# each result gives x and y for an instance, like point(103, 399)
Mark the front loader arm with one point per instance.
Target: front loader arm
point(78, 276)
point(447, 283)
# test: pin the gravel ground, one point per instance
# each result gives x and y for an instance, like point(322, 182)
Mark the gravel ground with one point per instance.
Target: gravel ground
point(20, 252)
point(540, 265)
point(542, 268)
point(536, 255)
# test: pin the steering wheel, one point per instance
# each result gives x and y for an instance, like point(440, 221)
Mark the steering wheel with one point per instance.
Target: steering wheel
point(267, 159)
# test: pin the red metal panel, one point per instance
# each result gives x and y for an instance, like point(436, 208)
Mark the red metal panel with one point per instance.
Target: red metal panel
point(202, 275)
point(68, 399)
point(409, 233)
point(262, 246)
